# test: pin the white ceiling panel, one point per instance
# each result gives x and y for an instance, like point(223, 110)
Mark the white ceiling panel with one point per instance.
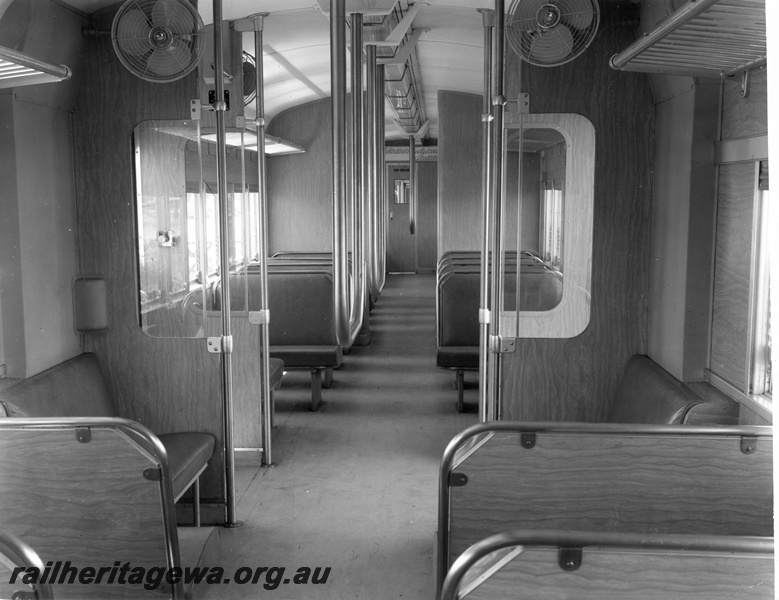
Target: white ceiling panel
point(296, 46)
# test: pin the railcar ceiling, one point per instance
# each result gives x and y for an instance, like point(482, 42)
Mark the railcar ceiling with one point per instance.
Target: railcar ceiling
point(297, 59)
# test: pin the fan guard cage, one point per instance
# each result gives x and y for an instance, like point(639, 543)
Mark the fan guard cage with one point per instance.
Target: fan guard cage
point(249, 78)
point(547, 33)
point(158, 40)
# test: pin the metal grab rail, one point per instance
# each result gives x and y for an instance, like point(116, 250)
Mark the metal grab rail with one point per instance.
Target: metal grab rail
point(151, 444)
point(580, 539)
point(470, 439)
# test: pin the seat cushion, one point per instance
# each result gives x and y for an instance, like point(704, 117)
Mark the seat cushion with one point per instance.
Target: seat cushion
point(651, 395)
point(308, 356)
point(188, 453)
point(74, 388)
point(458, 357)
point(276, 372)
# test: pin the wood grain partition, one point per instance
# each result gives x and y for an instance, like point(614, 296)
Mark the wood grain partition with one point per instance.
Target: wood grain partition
point(641, 479)
point(427, 214)
point(300, 186)
point(166, 384)
point(572, 379)
point(459, 172)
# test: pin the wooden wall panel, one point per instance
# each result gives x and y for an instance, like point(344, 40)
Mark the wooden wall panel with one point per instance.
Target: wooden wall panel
point(166, 384)
point(459, 171)
point(574, 379)
point(745, 117)
point(732, 271)
point(300, 186)
point(427, 216)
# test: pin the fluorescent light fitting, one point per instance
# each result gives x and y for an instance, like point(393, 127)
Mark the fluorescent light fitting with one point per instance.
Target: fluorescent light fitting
point(273, 145)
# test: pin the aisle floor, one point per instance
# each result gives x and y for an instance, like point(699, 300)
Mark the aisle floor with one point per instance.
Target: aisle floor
point(354, 486)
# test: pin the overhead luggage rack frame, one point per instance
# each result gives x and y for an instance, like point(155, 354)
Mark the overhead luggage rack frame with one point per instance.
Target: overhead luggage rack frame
point(704, 38)
point(17, 69)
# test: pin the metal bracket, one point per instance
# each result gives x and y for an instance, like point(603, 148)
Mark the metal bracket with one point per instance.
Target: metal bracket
point(527, 439)
point(485, 316)
point(83, 435)
point(251, 23)
point(259, 317)
point(569, 559)
point(220, 345)
point(458, 479)
point(195, 109)
point(219, 106)
point(501, 345)
point(516, 107)
point(152, 474)
point(749, 444)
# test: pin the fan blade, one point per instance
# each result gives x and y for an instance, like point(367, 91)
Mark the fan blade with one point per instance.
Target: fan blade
point(175, 17)
point(132, 33)
point(170, 61)
point(578, 13)
point(552, 45)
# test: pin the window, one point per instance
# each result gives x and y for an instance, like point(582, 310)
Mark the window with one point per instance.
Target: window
point(761, 376)
point(552, 224)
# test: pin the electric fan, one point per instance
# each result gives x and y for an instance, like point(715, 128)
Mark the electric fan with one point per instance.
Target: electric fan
point(547, 33)
point(249, 78)
point(158, 40)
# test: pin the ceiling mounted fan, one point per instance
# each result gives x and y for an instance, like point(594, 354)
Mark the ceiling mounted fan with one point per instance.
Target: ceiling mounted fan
point(158, 40)
point(548, 33)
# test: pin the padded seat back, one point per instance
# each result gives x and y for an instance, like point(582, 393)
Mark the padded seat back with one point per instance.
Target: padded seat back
point(74, 388)
point(650, 394)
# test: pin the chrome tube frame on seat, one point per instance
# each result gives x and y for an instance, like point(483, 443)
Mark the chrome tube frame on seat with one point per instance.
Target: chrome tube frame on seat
point(22, 555)
point(151, 445)
point(721, 544)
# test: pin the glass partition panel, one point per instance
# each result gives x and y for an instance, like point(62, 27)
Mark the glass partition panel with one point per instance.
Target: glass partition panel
point(177, 207)
point(546, 225)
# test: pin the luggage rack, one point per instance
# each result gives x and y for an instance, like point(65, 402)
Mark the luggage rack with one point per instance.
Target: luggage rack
point(17, 69)
point(703, 38)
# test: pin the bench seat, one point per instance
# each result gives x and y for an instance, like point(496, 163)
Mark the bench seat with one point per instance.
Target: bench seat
point(76, 388)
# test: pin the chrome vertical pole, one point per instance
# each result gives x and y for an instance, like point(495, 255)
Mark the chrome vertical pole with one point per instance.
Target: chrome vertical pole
point(371, 200)
point(486, 412)
point(359, 284)
point(220, 107)
point(381, 176)
point(338, 97)
point(255, 23)
point(412, 180)
point(496, 300)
